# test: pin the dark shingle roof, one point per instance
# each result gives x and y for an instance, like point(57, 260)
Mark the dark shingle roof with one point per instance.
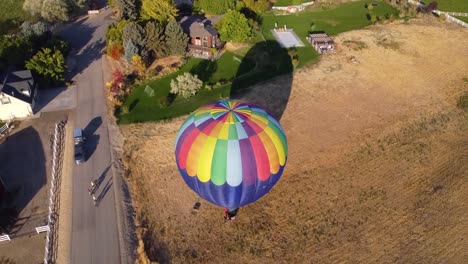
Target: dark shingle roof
point(197, 26)
point(16, 83)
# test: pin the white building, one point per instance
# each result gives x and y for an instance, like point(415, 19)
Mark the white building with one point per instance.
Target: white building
point(17, 95)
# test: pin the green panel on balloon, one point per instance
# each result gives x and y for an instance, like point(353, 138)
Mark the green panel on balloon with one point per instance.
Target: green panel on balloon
point(219, 163)
point(232, 131)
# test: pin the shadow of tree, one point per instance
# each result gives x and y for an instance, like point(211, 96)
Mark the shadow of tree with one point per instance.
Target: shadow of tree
point(87, 45)
point(204, 70)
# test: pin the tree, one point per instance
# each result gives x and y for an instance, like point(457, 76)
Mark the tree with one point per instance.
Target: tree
point(431, 7)
point(176, 39)
point(130, 49)
point(15, 51)
point(234, 26)
point(128, 9)
point(155, 39)
point(186, 85)
point(55, 10)
point(48, 64)
point(37, 29)
point(257, 6)
point(114, 32)
point(159, 10)
point(34, 7)
point(50, 10)
point(215, 7)
point(134, 32)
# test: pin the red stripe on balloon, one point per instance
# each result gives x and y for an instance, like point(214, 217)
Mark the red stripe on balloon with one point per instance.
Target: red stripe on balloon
point(184, 150)
point(261, 158)
point(254, 126)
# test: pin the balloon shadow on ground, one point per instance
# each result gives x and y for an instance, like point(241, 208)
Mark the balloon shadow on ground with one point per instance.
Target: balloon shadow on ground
point(263, 62)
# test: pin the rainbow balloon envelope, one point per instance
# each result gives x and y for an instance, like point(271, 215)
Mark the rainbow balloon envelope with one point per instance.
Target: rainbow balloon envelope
point(231, 153)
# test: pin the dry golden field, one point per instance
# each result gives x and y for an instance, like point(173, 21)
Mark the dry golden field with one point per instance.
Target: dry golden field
point(377, 169)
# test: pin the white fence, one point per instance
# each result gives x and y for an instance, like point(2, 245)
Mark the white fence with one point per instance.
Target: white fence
point(293, 8)
point(4, 128)
point(56, 165)
point(42, 229)
point(456, 14)
point(5, 238)
point(451, 18)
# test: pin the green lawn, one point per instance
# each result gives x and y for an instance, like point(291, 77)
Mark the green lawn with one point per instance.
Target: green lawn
point(345, 17)
point(11, 15)
point(263, 61)
point(452, 5)
point(464, 19)
point(288, 2)
point(144, 108)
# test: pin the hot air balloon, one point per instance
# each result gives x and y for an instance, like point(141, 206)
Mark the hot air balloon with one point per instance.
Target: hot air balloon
point(231, 153)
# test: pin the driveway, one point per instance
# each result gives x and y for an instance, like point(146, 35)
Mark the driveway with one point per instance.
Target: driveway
point(55, 99)
point(94, 237)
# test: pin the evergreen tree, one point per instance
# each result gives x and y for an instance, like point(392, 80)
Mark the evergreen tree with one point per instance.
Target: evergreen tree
point(155, 39)
point(134, 32)
point(130, 50)
point(128, 9)
point(176, 39)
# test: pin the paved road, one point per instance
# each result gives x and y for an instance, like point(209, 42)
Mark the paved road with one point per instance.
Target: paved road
point(94, 237)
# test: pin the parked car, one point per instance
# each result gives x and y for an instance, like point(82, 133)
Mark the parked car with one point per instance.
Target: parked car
point(79, 139)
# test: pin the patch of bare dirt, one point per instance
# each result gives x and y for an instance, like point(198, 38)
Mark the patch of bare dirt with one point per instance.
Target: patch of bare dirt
point(377, 167)
point(167, 62)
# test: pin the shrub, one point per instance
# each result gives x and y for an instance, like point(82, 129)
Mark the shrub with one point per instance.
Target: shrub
point(186, 85)
point(295, 62)
point(442, 17)
point(115, 51)
point(130, 49)
point(124, 109)
point(138, 64)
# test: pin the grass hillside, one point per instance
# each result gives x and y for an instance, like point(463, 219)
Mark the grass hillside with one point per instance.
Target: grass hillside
point(453, 5)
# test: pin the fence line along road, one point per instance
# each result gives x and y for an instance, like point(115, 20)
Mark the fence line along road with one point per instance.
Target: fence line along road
point(4, 127)
point(451, 18)
point(52, 219)
point(455, 13)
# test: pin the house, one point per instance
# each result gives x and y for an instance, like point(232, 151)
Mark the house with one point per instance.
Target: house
point(321, 42)
point(17, 95)
point(204, 38)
